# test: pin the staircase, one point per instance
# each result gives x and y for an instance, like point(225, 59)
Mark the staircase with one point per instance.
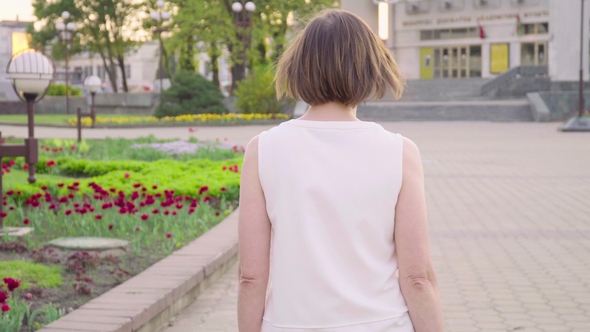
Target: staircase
point(447, 100)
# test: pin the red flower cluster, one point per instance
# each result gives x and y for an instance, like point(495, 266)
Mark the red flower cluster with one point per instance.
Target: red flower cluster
point(234, 168)
point(11, 284)
point(50, 163)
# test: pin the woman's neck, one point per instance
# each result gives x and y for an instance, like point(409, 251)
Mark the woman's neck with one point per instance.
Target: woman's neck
point(330, 112)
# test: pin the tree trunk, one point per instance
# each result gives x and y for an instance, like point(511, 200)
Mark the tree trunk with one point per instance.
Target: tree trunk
point(111, 76)
point(121, 62)
point(214, 56)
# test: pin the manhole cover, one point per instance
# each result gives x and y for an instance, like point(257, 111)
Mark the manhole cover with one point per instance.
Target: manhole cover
point(88, 243)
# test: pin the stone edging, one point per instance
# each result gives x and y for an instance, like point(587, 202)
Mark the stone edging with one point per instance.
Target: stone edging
point(149, 125)
point(150, 299)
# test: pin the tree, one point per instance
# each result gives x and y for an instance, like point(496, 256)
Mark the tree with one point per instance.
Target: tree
point(106, 27)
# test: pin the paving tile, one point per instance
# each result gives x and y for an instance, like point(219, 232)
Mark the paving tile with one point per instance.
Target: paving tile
point(508, 216)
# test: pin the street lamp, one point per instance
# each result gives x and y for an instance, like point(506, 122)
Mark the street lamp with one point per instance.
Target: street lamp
point(159, 17)
point(93, 84)
point(66, 37)
point(243, 15)
point(579, 123)
point(30, 73)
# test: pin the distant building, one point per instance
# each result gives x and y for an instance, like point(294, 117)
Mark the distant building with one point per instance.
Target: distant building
point(141, 69)
point(13, 39)
point(479, 38)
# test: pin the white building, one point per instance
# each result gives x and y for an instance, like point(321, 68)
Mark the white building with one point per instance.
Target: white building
point(141, 69)
point(479, 38)
point(12, 40)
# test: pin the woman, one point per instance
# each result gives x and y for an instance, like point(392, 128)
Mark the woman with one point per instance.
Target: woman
point(332, 216)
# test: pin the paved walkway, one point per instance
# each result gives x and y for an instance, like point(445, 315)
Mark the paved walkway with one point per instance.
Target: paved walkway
point(509, 213)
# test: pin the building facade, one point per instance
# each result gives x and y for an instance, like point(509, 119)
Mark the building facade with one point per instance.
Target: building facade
point(480, 38)
point(13, 39)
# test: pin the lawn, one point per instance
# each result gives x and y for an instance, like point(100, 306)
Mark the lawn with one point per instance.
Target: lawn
point(61, 119)
point(156, 201)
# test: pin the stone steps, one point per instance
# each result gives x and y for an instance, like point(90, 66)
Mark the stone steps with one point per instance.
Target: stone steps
point(498, 111)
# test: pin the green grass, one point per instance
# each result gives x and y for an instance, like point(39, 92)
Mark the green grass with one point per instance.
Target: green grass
point(56, 118)
point(20, 177)
point(31, 273)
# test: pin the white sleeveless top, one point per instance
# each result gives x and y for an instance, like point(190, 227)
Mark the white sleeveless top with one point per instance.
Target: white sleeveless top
point(331, 188)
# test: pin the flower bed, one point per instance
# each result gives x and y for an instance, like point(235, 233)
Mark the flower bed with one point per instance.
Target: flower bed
point(182, 119)
point(158, 206)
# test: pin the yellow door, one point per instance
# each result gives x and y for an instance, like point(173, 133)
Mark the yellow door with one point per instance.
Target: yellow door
point(499, 58)
point(426, 63)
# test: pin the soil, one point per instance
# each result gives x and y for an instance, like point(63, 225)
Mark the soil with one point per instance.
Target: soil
point(76, 290)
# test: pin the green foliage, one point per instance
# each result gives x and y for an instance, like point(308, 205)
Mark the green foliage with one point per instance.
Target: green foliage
point(190, 93)
point(108, 28)
point(60, 90)
point(28, 273)
point(257, 93)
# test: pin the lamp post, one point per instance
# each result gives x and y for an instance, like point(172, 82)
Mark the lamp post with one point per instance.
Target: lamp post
point(579, 123)
point(92, 84)
point(30, 73)
point(243, 14)
point(65, 34)
point(159, 17)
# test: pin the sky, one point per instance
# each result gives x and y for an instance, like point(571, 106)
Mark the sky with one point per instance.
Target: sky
point(11, 8)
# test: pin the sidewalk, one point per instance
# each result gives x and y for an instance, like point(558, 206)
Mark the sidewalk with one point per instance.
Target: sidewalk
point(509, 216)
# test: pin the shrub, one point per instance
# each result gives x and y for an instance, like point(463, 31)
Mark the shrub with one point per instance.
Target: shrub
point(190, 93)
point(257, 93)
point(60, 90)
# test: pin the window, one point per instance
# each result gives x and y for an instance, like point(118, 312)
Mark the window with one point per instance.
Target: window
point(100, 72)
point(449, 34)
point(127, 71)
point(87, 71)
point(535, 28)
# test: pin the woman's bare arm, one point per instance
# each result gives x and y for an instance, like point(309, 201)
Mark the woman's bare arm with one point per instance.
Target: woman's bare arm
point(254, 241)
point(418, 280)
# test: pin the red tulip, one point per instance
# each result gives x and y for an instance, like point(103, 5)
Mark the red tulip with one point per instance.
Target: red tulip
point(166, 212)
point(68, 212)
point(206, 199)
point(144, 217)
point(155, 211)
point(11, 284)
point(191, 210)
point(203, 189)
point(9, 192)
point(137, 228)
point(174, 213)
point(26, 167)
point(137, 185)
point(223, 189)
point(73, 147)
point(127, 175)
point(3, 297)
point(154, 187)
point(11, 162)
point(111, 226)
point(217, 213)
point(5, 307)
point(98, 216)
point(26, 221)
point(60, 184)
point(168, 235)
point(179, 206)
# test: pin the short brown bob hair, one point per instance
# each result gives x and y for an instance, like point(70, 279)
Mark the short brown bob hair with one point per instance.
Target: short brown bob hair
point(337, 58)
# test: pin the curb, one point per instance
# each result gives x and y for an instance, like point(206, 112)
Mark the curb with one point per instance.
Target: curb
point(150, 299)
point(139, 126)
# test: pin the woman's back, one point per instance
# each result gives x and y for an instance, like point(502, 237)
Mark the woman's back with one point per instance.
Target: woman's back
point(331, 188)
